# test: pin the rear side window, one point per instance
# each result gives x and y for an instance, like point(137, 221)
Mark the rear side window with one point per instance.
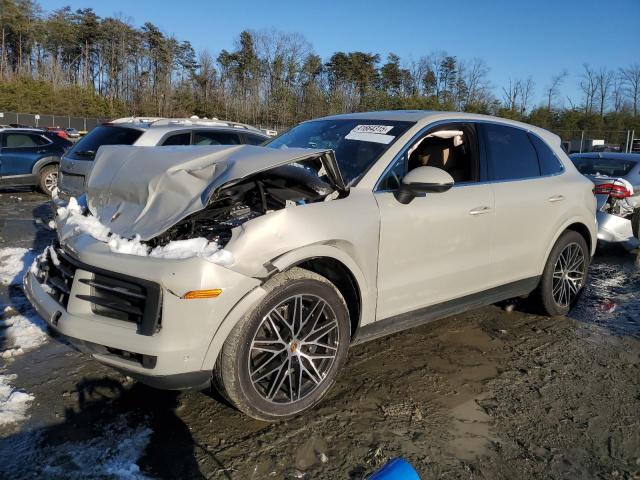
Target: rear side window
point(254, 139)
point(549, 163)
point(510, 153)
point(215, 138)
point(103, 135)
point(22, 140)
point(183, 138)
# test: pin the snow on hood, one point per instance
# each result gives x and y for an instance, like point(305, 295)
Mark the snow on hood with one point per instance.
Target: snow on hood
point(145, 190)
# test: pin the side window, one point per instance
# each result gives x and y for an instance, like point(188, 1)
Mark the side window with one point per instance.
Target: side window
point(183, 138)
point(510, 153)
point(452, 148)
point(39, 140)
point(215, 138)
point(254, 139)
point(19, 140)
point(549, 163)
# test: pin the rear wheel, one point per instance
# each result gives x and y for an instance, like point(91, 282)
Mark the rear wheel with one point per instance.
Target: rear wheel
point(564, 275)
point(48, 180)
point(283, 356)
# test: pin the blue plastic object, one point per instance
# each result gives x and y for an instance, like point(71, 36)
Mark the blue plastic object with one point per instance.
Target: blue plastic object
point(396, 469)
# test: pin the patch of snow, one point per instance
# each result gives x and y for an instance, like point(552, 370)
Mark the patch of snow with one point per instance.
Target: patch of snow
point(13, 402)
point(23, 328)
point(14, 263)
point(72, 215)
point(113, 453)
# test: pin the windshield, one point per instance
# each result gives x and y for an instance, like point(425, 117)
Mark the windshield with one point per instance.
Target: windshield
point(612, 167)
point(87, 147)
point(357, 143)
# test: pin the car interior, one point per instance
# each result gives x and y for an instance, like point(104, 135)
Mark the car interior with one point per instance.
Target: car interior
point(452, 148)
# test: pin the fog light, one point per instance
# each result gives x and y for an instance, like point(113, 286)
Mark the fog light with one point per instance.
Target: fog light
point(193, 294)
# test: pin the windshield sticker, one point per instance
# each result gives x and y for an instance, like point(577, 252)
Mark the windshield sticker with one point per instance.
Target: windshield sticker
point(380, 129)
point(371, 133)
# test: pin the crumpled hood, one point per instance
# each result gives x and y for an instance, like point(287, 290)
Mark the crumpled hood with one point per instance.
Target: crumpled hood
point(146, 190)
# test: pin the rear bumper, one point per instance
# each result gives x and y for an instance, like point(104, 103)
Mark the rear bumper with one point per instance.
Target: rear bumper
point(614, 229)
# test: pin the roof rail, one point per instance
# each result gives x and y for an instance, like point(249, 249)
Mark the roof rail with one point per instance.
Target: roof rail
point(164, 121)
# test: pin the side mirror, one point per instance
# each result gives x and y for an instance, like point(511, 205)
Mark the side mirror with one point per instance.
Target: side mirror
point(423, 180)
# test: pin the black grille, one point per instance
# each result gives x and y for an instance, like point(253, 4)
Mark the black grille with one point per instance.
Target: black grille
point(57, 273)
point(113, 295)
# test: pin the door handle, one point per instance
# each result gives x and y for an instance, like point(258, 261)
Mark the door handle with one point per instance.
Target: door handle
point(479, 210)
point(556, 198)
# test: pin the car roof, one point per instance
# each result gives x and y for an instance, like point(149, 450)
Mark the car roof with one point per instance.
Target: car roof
point(634, 157)
point(172, 124)
point(23, 130)
point(426, 116)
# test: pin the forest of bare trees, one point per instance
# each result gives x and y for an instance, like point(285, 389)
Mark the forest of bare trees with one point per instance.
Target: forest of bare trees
point(77, 63)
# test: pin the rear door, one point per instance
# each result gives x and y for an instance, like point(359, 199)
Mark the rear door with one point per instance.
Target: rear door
point(20, 151)
point(530, 200)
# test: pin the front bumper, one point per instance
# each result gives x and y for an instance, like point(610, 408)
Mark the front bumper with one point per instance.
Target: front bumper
point(171, 356)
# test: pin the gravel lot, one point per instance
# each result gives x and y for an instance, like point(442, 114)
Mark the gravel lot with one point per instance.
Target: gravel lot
point(497, 393)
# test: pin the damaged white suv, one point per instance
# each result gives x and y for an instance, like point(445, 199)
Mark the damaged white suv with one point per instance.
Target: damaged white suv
point(256, 268)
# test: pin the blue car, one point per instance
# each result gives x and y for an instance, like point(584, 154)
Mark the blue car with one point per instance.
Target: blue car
point(30, 157)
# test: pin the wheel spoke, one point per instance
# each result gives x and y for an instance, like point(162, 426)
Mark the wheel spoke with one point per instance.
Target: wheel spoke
point(293, 349)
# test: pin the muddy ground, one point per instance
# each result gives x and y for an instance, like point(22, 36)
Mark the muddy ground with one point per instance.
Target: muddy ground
point(493, 394)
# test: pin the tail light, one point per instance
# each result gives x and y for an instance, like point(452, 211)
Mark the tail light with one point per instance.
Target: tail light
point(613, 189)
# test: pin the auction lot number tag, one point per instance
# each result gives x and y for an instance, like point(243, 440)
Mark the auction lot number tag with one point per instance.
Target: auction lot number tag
point(371, 133)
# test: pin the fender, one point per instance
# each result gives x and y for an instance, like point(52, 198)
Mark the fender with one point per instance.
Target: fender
point(562, 229)
point(43, 162)
point(368, 295)
point(281, 263)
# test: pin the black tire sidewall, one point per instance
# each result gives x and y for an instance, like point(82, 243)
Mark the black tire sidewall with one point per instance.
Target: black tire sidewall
point(546, 283)
point(259, 407)
point(43, 174)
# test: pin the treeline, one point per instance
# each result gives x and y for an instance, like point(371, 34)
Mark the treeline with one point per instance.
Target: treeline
point(77, 63)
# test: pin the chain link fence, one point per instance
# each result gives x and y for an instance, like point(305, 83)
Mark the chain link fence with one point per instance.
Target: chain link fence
point(580, 141)
point(48, 120)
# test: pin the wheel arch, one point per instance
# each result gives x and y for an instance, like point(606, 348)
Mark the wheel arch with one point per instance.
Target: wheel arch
point(44, 162)
point(325, 260)
point(575, 225)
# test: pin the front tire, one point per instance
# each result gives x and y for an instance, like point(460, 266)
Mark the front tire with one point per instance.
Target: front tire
point(285, 354)
point(48, 179)
point(564, 275)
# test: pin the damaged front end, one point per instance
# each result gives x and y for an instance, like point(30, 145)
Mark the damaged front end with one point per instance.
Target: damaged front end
point(154, 197)
point(618, 210)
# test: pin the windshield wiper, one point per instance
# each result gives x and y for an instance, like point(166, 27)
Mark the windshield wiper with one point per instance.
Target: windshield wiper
point(85, 153)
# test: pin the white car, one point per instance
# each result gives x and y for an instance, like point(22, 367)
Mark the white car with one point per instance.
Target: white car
point(258, 267)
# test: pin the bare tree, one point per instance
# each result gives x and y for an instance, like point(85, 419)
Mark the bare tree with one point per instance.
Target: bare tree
point(604, 81)
point(588, 85)
point(511, 94)
point(553, 89)
point(631, 77)
point(526, 92)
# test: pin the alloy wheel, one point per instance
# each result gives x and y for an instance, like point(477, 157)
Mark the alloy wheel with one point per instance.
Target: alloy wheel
point(51, 181)
point(568, 274)
point(293, 349)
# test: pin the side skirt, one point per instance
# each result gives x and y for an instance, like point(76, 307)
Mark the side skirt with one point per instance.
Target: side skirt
point(431, 313)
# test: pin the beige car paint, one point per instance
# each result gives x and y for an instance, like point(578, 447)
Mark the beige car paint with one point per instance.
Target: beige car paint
point(402, 256)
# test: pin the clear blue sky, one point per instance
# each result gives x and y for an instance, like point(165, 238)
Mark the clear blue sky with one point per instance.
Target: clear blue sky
point(516, 38)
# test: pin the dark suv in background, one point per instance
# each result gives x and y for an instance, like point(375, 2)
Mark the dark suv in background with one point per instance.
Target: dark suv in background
point(30, 157)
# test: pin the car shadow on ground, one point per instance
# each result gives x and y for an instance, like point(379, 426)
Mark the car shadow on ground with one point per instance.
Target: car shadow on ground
point(146, 426)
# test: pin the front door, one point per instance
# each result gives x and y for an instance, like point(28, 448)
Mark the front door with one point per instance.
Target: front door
point(438, 247)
